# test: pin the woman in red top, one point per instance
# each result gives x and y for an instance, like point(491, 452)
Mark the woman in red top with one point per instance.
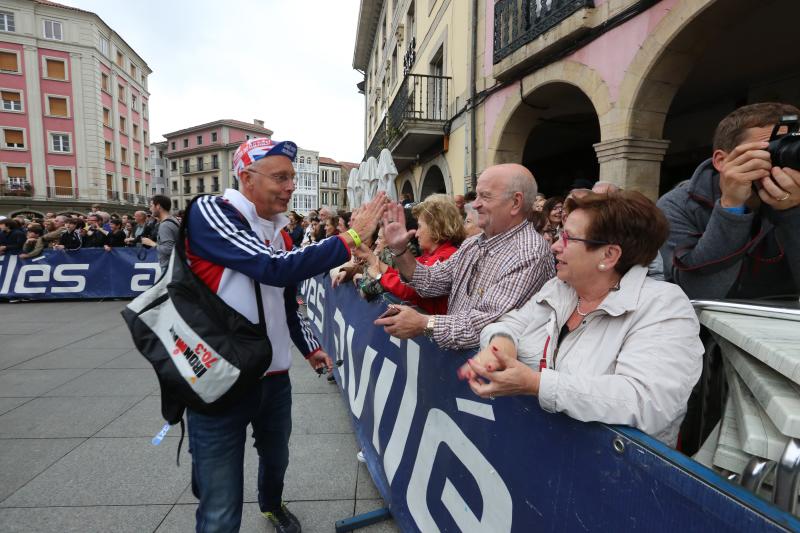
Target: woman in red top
point(440, 232)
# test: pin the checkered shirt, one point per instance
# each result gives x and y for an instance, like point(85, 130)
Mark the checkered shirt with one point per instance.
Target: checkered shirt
point(485, 279)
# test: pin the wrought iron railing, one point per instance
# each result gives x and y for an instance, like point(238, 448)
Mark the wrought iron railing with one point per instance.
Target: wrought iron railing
point(135, 199)
point(421, 98)
point(60, 192)
point(518, 22)
point(16, 189)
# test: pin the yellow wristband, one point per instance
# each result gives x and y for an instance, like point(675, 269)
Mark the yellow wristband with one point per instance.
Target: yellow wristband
point(356, 238)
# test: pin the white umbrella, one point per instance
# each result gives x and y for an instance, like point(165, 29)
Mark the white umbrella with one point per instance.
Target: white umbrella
point(352, 181)
point(387, 172)
point(360, 183)
point(370, 179)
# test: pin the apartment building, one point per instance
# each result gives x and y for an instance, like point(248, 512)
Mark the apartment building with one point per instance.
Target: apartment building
point(74, 127)
point(200, 158)
point(159, 168)
point(330, 176)
point(621, 90)
point(306, 194)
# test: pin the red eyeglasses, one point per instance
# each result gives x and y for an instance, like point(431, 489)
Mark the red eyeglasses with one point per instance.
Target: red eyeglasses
point(567, 237)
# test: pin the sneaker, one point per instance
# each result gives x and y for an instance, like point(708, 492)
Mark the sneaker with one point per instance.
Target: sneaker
point(332, 379)
point(283, 520)
point(360, 457)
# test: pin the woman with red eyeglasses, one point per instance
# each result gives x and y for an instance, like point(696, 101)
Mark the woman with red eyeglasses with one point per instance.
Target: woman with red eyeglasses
point(602, 341)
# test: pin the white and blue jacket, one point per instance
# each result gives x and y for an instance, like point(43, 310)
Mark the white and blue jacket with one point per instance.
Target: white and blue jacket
point(228, 256)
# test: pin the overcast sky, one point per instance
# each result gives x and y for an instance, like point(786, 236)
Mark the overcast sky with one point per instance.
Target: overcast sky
point(288, 63)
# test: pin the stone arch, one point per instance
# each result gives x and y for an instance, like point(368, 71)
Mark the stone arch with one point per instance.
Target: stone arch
point(408, 187)
point(514, 122)
point(441, 166)
point(657, 70)
point(696, 66)
point(25, 212)
point(432, 183)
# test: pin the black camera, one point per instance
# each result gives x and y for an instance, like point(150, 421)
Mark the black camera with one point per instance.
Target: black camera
point(784, 143)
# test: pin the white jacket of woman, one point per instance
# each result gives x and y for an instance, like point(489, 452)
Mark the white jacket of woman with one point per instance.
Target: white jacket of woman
point(632, 361)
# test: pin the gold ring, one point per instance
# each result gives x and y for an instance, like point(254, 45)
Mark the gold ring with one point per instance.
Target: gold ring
point(784, 198)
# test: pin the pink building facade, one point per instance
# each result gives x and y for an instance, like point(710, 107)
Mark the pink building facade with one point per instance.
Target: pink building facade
point(200, 158)
point(74, 125)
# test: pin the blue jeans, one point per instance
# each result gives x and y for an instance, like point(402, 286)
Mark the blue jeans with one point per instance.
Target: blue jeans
point(217, 447)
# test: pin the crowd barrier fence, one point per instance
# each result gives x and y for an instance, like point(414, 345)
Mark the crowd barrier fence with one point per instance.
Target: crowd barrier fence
point(444, 459)
point(89, 273)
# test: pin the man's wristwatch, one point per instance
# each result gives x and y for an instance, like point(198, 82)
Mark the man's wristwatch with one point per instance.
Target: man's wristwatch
point(428, 331)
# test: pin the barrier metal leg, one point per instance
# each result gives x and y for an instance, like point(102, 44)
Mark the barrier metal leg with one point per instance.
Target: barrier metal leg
point(756, 472)
point(363, 520)
point(787, 479)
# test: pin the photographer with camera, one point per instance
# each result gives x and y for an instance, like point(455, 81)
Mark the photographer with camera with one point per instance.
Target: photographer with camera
point(735, 225)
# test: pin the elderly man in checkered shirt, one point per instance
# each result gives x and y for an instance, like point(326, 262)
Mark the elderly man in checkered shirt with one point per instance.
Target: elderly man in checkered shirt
point(492, 273)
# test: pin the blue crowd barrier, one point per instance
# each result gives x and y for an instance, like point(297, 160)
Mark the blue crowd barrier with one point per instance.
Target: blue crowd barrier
point(444, 459)
point(89, 273)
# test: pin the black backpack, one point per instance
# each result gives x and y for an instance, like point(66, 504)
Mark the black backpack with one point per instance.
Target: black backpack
point(205, 353)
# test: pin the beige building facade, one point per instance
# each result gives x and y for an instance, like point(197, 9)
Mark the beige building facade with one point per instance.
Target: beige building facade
point(575, 90)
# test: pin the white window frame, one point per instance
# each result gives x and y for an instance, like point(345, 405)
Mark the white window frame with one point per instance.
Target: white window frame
point(54, 24)
point(110, 117)
point(47, 105)
point(335, 198)
point(124, 160)
point(19, 63)
point(134, 101)
point(107, 89)
point(121, 95)
point(51, 142)
point(3, 146)
point(110, 152)
point(21, 100)
point(123, 125)
point(105, 45)
point(5, 17)
point(46, 74)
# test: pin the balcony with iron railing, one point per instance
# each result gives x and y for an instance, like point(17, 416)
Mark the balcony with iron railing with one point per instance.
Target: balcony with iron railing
point(58, 192)
point(203, 167)
point(519, 23)
point(16, 188)
point(135, 199)
point(415, 121)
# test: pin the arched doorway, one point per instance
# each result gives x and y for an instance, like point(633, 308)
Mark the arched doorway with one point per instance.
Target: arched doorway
point(559, 148)
point(709, 67)
point(407, 189)
point(433, 183)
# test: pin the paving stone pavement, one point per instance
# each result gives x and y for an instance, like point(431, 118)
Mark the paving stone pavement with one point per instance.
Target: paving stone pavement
point(79, 405)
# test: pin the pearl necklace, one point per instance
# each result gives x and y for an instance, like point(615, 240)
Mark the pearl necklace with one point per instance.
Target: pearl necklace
point(578, 308)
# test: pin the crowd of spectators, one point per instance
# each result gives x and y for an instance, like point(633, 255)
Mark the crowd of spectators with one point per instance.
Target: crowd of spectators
point(29, 237)
point(583, 299)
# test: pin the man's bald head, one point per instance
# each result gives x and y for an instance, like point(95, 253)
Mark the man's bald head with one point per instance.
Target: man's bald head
point(517, 178)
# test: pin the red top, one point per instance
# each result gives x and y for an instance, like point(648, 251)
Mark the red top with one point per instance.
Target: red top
point(392, 283)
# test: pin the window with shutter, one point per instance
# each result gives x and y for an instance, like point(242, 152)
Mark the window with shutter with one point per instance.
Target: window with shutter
point(14, 139)
point(9, 61)
point(55, 69)
point(11, 101)
point(63, 181)
point(110, 182)
point(123, 154)
point(17, 172)
point(107, 117)
point(108, 150)
point(58, 106)
point(124, 185)
point(104, 82)
point(137, 187)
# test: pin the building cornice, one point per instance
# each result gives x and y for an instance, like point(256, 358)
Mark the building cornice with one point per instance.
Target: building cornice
point(368, 19)
point(224, 122)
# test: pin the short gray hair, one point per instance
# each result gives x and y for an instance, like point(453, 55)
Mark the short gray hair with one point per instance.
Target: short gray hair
point(469, 209)
point(519, 182)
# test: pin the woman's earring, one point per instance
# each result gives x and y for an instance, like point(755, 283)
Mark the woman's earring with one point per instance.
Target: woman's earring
point(601, 266)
